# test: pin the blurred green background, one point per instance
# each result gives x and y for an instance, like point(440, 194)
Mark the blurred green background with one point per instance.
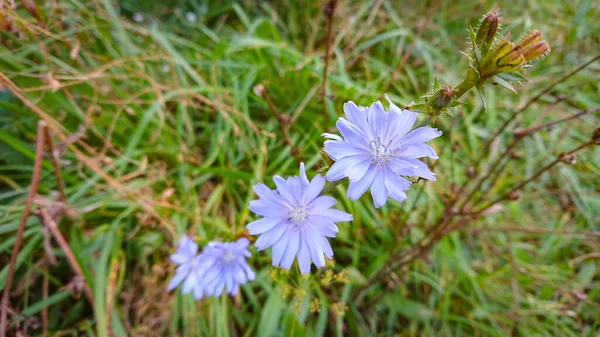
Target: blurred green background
point(161, 96)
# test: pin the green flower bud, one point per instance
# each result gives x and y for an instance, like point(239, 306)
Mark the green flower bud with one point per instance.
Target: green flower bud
point(488, 28)
point(442, 98)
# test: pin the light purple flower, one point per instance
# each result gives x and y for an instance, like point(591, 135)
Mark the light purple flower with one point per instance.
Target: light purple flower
point(296, 221)
point(378, 151)
point(186, 256)
point(219, 266)
point(224, 266)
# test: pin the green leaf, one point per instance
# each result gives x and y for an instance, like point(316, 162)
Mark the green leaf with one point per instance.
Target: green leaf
point(436, 84)
point(481, 91)
point(269, 317)
point(503, 83)
point(51, 300)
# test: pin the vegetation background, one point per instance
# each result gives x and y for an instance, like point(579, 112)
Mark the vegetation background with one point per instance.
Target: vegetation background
point(163, 121)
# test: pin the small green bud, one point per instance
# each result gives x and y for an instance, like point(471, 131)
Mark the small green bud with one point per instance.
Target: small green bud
point(339, 308)
point(315, 306)
point(327, 278)
point(488, 28)
point(442, 98)
point(343, 277)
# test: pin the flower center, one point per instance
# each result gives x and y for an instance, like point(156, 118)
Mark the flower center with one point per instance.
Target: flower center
point(228, 257)
point(381, 154)
point(298, 216)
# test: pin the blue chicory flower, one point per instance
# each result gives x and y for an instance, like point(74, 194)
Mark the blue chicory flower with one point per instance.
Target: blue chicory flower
point(189, 266)
point(225, 267)
point(296, 221)
point(378, 151)
point(220, 265)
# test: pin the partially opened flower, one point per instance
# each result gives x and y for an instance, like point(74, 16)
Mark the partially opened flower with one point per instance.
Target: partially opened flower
point(296, 221)
point(224, 266)
point(189, 269)
point(377, 150)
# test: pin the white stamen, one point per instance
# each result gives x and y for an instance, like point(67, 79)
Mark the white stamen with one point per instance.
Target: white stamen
point(228, 257)
point(381, 154)
point(298, 217)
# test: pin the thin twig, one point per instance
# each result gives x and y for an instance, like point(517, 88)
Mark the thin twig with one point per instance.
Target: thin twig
point(505, 125)
point(45, 297)
point(560, 158)
point(64, 246)
point(533, 100)
point(282, 120)
point(593, 255)
point(549, 125)
point(529, 230)
point(446, 225)
point(35, 179)
point(147, 204)
point(54, 160)
point(329, 10)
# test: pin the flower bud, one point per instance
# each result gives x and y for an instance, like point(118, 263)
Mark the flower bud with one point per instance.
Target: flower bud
point(533, 37)
point(442, 98)
point(500, 49)
point(488, 28)
point(535, 50)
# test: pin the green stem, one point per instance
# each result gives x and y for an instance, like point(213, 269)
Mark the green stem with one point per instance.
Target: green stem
point(330, 186)
point(470, 81)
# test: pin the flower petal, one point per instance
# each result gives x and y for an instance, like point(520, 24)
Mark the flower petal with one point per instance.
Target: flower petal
point(264, 224)
point(314, 248)
point(338, 169)
point(268, 238)
point(357, 115)
point(331, 136)
point(377, 119)
point(396, 185)
point(314, 188)
point(291, 250)
point(325, 246)
point(422, 170)
point(270, 195)
point(283, 189)
point(338, 149)
point(303, 256)
point(198, 292)
point(402, 167)
point(323, 225)
point(279, 249)
point(357, 171)
point(303, 177)
point(352, 133)
point(421, 135)
point(336, 215)
point(176, 280)
point(400, 123)
point(320, 203)
point(417, 150)
point(378, 190)
point(266, 208)
point(357, 188)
